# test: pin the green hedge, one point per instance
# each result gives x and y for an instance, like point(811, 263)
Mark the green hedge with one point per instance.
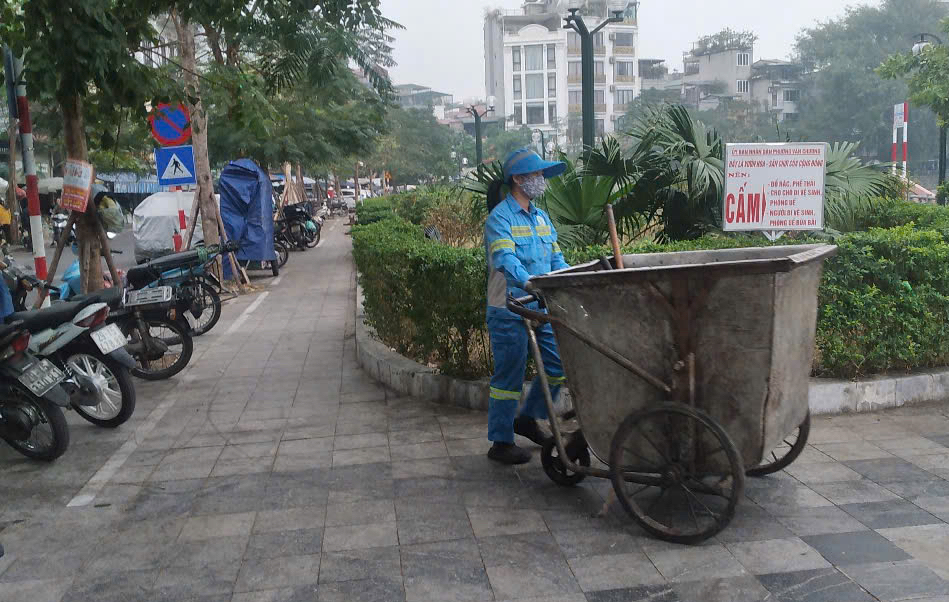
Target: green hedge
point(883, 300)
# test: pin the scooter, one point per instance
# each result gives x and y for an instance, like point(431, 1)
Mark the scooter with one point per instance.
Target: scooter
point(31, 398)
point(75, 337)
point(59, 221)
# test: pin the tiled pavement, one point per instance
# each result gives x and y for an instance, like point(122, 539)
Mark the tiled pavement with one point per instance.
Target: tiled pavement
point(279, 472)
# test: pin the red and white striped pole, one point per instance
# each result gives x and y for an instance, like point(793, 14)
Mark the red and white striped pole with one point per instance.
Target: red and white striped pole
point(896, 132)
point(905, 137)
point(32, 181)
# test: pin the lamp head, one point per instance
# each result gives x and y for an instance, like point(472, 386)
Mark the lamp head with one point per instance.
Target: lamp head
point(491, 101)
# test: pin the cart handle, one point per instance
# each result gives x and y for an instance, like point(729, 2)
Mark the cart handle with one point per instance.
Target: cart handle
point(518, 305)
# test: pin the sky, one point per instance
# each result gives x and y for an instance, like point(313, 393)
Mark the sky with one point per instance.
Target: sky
point(442, 45)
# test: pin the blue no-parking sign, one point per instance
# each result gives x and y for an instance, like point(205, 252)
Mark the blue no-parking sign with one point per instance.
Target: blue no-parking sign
point(175, 165)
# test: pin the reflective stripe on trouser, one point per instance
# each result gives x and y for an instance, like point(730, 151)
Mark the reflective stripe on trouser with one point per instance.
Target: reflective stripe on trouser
point(511, 348)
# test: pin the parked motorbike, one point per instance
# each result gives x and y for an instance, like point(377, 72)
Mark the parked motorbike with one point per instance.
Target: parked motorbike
point(75, 337)
point(304, 229)
point(59, 221)
point(31, 398)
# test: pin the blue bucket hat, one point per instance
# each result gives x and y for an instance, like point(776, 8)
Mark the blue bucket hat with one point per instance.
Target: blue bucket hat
point(524, 160)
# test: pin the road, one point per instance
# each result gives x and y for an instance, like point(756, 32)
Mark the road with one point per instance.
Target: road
point(123, 244)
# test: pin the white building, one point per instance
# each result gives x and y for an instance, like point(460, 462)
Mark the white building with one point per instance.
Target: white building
point(533, 66)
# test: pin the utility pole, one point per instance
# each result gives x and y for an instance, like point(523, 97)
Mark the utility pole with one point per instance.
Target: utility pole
point(575, 22)
point(13, 203)
point(477, 119)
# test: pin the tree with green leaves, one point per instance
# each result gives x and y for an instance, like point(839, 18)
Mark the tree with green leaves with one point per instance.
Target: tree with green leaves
point(416, 149)
point(844, 97)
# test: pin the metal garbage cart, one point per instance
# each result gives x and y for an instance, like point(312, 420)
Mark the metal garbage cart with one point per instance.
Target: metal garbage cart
point(687, 371)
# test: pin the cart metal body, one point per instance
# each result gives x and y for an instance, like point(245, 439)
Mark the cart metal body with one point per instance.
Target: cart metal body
point(729, 333)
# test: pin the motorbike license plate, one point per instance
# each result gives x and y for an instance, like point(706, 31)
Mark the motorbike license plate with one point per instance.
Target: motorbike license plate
point(109, 338)
point(41, 377)
point(147, 296)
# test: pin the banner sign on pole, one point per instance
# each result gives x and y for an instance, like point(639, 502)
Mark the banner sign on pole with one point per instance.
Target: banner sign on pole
point(175, 165)
point(171, 126)
point(774, 188)
point(77, 183)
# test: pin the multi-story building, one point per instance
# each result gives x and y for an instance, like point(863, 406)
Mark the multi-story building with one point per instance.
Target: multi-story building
point(533, 65)
point(777, 85)
point(420, 97)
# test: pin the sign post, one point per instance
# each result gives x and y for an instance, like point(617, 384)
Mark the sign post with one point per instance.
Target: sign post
point(900, 120)
point(176, 168)
point(774, 188)
point(171, 126)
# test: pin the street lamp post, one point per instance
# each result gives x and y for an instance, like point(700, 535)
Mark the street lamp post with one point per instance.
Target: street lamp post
point(543, 144)
point(575, 22)
point(918, 47)
point(477, 119)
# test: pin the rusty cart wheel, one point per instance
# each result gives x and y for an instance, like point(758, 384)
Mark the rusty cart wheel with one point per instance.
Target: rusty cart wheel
point(677, 472)
point(782, 456)
point(578, 453)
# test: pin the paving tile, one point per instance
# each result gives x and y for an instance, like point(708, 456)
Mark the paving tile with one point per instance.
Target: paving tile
point(921, 488)
point(365, 590)
point(695, 563)
point(885, 470)
point(783, 495)
point(824, 472)
point(299, 542)
point(413, 436)
point(938, 506)
point(43, 590)
point(732, 589)
point(368, 455)
point(418, 451)
point(641, 593)
point(356, 537)
point(218, 550)
point(274, 573)
point(855, 548)
point(885, 515)
point(613, 571)
point(352, 565)
point(752, 523)
point(531, 564)
point(487, 522)
point(306, 446)
point(242, 466)
point(298, 462)
point(449, 570)
point(360, 513)
point(113, 587)
point(898, 580)
point(291, 519)
point(819, 585)
point(579, 543)
point(432, 467)
point(928, 544)
point(777, 555)
point(852, 450)
point(854, 492)
point(217, 525)
point(192, 581)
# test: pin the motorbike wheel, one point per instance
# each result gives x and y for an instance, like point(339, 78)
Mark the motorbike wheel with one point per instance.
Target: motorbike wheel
point(313, 238)
point(118, 401)
point(50, 437)
point(210, 301)
point(298, 233)
point(283, 253)
point(180, 347)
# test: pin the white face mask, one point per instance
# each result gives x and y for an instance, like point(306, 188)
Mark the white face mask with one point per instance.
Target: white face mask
point(534, 186)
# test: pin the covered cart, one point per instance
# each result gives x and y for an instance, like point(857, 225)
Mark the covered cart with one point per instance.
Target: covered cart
point(157, 219)
point(686, 370)
point(247, 211)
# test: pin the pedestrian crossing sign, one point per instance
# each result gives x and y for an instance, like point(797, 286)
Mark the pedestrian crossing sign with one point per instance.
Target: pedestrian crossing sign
point(175, 165)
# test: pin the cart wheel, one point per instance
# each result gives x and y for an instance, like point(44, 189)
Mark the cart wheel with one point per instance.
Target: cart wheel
point(677, 472)
point(795, 442)
point(578, 453)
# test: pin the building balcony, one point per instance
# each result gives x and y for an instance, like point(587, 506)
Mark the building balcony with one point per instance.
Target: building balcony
point(599, 50)
point(574, 108)
point(599, 108)
point(620, 108)
point(624, 51)
point(574, 51)
point(574, 79)
point(625, 79)
point(599, 78)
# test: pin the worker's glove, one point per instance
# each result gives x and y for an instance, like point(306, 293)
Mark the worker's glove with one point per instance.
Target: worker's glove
point(531, 288)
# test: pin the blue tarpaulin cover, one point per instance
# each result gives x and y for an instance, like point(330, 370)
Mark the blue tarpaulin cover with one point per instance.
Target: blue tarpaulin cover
point(247, 209)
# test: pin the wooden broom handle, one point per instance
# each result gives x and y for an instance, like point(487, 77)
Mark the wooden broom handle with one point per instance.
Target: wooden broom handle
point(614, 237)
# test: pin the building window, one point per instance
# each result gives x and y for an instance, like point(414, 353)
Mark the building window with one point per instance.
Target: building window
point(517, 87)
point(599, 97)
point(774, 99)
point(624, 97)
point(518, 120)
point(574, 69)
point(691, 68)
point(551, 57)
point(624, 69)
point(573, 40)
point(600, 125)
point(790, 116)
point(535, 57)
point(516, 53)
point(792, 95)
point(598, 68)
point(598, 40)
point(551, 113)
point(535, 114)
point(575, 97)
point(551, 85)
point(743, 86)
point(535, 85)
point(624, 39)
point(744, 59)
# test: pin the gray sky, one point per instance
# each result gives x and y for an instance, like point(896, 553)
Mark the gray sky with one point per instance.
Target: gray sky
point(442, 45)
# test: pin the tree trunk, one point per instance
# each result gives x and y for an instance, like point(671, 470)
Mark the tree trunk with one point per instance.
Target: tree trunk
point(301, 187)
point(199, 133)
point(90, 264)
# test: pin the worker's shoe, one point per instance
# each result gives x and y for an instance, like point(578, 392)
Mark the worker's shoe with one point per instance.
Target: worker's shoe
point(525, 426)
point(508, 453)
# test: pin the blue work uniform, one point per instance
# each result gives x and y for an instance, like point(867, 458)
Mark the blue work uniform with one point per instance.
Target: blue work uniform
point(519, 244)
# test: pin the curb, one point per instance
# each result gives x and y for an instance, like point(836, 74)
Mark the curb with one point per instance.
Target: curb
point(826, 396)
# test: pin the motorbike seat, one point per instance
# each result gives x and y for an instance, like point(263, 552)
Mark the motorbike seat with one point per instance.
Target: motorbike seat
point(110, 296)
point(146, 273)
point(49, 317)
